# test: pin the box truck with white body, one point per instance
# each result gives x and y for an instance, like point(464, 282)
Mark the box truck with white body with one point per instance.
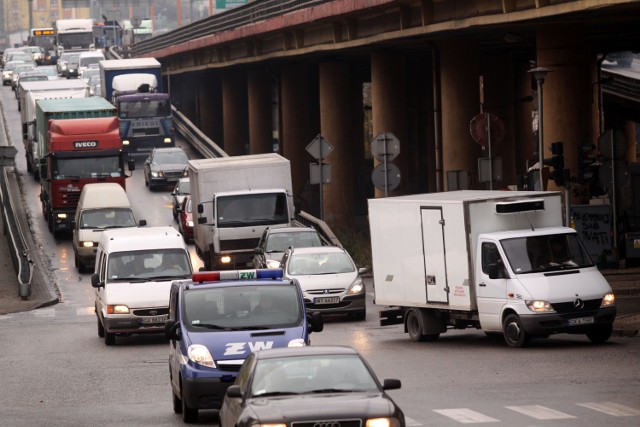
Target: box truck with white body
point(235, 199)
point(493, 260)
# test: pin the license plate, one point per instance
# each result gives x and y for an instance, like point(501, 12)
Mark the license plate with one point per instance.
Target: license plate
point(155, 320)
point(581, 321)
point(326, 300)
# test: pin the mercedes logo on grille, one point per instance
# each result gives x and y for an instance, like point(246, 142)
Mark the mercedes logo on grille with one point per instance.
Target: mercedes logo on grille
point(327, 424)
point(578, 303)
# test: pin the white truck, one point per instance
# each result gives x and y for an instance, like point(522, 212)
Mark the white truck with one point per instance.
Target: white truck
point(492, 260)
point(235, 199)
point(30, 92)
point(74, 35)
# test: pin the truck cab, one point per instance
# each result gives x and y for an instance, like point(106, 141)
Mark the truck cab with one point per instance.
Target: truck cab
point(217, 319)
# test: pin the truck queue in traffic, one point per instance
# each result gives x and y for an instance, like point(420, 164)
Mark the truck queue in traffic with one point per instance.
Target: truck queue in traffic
point(499, 262)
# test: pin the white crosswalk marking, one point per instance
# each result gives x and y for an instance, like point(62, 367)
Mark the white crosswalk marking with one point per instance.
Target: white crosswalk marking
point(540, 412)
point(466, 416)
point(610, 408)
point(85, 311)
point(45, 312)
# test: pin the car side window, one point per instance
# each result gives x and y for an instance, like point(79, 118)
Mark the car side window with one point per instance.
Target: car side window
point(491, 257)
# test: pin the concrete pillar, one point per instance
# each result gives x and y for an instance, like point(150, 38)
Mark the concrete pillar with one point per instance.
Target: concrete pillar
point(210, 106)
point(389, 107)
point(298, 130)
point(460, 100)
point(498, 86)
point(336, 125)
point(630, 131)
point(567, 108)
point(259, 85)
point(234, 113)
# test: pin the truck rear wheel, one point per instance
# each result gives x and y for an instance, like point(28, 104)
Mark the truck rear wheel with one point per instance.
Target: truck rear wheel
point(514, 333)
point(601, 333)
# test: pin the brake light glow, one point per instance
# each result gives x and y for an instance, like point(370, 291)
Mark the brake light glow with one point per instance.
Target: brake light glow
point(215, 276)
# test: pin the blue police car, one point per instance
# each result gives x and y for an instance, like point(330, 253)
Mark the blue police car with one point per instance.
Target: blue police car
point(217, 319)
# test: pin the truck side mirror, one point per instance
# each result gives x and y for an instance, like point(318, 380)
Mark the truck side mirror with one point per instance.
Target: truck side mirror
point(142, 223)
point(95, 281)
point(200, 208)
point(258, 251)
point(132, 164)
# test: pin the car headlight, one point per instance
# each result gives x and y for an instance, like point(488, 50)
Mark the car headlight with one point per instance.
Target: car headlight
point(117, 309)
point(272, 263)
point(155, 174)
point(167, 140)
point(200, 354)
point(608, 300)
point(124, 141)
point(356, 288)
point(189, 223)
point(539, 306)
point(382, 422)
point(62, 215)
point(298, 342)
point(185, 173)
point(225, 259)
point(86, 244)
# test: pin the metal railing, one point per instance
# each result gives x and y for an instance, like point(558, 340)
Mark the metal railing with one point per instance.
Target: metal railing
point(621, 85)
point(196, 138)
point(250, 13)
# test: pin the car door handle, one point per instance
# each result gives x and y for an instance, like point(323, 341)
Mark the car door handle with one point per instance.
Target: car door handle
point(482, 284)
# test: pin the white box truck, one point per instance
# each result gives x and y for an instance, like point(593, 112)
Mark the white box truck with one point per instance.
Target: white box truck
point(493, 260)
point(235, 199)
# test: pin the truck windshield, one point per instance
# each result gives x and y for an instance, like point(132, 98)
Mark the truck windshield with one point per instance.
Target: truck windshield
point(93, 167)
point(252, 209)
point(107, 218)
point(551, 252)
point(248, 307)
point(145, 109)
point(146, 265)
point(76, 40)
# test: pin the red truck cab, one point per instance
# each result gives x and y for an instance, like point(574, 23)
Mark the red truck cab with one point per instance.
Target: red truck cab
point(79, 152)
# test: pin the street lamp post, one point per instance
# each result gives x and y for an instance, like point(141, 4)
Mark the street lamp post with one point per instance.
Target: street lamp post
point(540, 73)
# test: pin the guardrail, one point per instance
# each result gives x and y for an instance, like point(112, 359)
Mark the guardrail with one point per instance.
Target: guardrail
point(621, 85)
point(308, 220)
point(19, 249)
point(198, 140)
point(249, 13)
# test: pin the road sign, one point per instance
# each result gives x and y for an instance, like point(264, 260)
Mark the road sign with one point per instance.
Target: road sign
point(385, 145)
point(314, 173)
point(483, 124)
point(616, 139)
point(319, 148)
point(392, 174)
point(7, 155)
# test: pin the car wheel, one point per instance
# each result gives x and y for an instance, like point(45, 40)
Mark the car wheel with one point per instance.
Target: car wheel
point(177, 404)
point(109, 338)
point(189, 415)
point(601, 333)
point(100, 327)
point(514, 334)
point(413, 326)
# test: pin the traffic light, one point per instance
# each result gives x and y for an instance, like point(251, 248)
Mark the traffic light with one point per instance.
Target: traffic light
point(556, 162)
point(586, 163)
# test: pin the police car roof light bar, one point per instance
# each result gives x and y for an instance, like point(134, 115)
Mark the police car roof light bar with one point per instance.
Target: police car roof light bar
point(216, 276)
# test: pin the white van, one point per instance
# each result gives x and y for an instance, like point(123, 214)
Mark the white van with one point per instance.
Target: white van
point(88, 59)
point(132, 279)
point(102, 206)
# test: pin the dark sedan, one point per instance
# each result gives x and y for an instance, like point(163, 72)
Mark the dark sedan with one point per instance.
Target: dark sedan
point(165, 166)
point(307, 386)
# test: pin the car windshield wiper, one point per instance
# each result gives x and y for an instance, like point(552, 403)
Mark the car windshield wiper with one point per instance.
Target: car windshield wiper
point(165, 277)
point(332, 390)
point(276, 393)
point(211, 326)
point(128, 279)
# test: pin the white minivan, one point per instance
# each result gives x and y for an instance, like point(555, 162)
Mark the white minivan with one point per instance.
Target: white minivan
point(132, 279)
point(87, 60)
point(102, 206)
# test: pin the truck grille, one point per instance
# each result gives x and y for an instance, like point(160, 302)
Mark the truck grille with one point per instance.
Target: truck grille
point(148, 312)
point(146, 132)
point(234, 245)
point(570, 308)
point(327, 423)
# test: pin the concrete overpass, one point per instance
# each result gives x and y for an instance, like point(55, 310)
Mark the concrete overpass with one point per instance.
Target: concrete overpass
point(273, 74)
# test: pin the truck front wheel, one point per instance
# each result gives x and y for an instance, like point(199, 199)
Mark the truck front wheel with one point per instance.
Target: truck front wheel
point(601, 333)
point(514, 333)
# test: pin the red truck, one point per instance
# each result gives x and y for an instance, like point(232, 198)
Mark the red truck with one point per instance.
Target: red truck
point(78, 152)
